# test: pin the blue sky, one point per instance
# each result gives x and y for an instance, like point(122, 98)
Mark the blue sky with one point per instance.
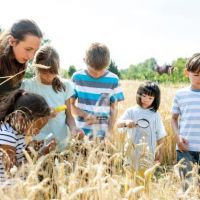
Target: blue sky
point(134, 30)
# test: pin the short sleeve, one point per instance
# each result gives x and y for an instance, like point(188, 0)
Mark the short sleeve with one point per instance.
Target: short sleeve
point(118, 93)
point(69, 89)
point(127, 115)
point(175, 106)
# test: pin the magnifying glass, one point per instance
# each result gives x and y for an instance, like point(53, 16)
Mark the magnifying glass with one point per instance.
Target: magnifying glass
point(142, 123)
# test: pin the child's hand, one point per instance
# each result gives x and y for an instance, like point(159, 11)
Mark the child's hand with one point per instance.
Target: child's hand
point(91, 119)
point(130, 124)
point(49, 147)
point(183, 144)
point(78, 133)
point(35, 144)
point(53, 113)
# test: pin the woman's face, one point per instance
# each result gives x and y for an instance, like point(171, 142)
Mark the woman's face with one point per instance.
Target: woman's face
point(25, 50)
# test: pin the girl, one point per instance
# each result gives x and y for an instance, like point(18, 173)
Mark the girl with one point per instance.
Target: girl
point(56, 91)
point(22, 110)
point(147, 126)
point(17, 47)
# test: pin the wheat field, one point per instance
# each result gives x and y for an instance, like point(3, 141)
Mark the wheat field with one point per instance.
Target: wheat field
point(93, 170)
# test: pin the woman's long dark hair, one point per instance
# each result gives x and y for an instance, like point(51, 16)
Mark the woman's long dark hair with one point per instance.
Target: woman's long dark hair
point(48, 56)
point(8, 64)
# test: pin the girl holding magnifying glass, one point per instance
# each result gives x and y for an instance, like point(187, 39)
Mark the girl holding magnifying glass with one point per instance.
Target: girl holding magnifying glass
point(144, 124)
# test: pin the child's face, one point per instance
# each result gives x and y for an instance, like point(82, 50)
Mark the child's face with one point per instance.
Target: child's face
point(194, 79)
point(25, 50)
point(146, 100)
point(46, 77)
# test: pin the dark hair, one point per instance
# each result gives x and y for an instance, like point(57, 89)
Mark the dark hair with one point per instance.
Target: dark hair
point(8, 64)
point(151, 89)
point(48, 56)
point(33, 105)
point(97, 56)
point(193, 64)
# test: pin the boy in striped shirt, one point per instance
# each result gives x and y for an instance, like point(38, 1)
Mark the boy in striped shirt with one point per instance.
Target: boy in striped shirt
point(186, 117)
point(97, 93)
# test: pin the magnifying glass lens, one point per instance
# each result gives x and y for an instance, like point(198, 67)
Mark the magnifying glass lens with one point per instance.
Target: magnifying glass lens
point(143, 123)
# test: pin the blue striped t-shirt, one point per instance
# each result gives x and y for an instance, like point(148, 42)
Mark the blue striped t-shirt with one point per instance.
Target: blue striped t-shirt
point(187, 105)
point(95, 95)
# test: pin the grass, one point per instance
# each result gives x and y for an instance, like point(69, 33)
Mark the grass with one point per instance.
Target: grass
point(94, 170)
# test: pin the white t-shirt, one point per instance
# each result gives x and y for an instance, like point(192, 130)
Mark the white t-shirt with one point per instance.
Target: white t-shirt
point(8, 136)
point(149, 135)
point(57, 125)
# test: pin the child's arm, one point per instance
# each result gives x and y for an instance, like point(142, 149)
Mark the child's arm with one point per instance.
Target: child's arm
point(77, 111)
point(71, 122)
point(89, 118)
point(126, 123)
point(113, 116)
point(159, 150)
point(181, 142)
point(8, 156)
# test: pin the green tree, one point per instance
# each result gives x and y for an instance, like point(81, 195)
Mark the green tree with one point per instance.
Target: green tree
point(71, 70)
point(114, 68)
point(30, 72)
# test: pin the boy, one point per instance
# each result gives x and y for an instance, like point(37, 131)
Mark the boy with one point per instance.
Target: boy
point(97, 92)
point(186, 117)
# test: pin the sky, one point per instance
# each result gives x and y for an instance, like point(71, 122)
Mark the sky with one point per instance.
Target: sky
point(133, 30)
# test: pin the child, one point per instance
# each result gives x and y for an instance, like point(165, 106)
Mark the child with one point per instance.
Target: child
point(21, 110)
point(57, 92)
point(147, 126)
point(186, 116)
point(97, 92)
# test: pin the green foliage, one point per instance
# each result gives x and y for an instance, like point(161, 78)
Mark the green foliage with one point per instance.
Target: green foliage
point(71, 70)
point(145, 71)
point(30, 72)
point(114, 68)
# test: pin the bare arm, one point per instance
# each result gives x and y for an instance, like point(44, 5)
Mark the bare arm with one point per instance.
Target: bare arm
point(181, 142)
point(77, 111)
point(159, 150)
point(71, 122)
point(9, 156)
point(113, 115)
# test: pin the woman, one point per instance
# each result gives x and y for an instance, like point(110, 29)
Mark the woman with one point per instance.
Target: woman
point(17, 47)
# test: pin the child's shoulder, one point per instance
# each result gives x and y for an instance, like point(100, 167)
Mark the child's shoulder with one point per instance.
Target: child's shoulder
point(6, 129)
point(183, 91)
